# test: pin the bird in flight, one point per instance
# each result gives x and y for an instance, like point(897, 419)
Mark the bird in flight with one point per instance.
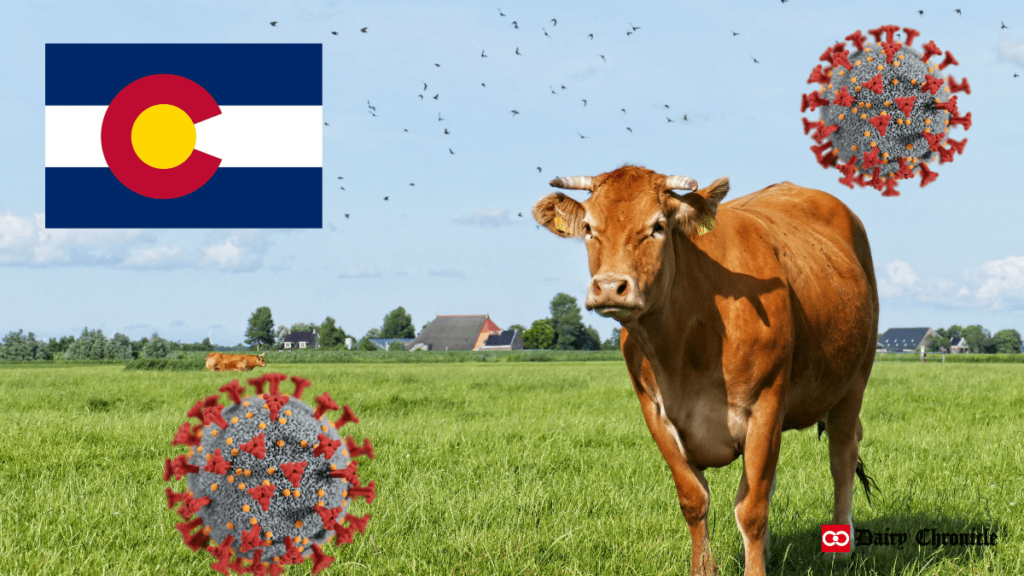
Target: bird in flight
point(500, 12)
point(1004, 25)
point(629, 33)
point(385, 198)
point(516, 24)
point(553, 90)
point(363, 30)
point(538, 170)
point(326, 124)
point(546, 33)
point(582, 136)
point(515, 113)
point(563, 86)
point(446, 131)
point(734, 33)
point(756, 62)
point(584, 103)
point(405, 129)
point(439, 119)
point(424, 86)
point(436, 64)
point(555, 22)
point(623, 110)
point(630, 129)
point(342, 187)
point(341, 177)
point(517, 51)
point(958, 12)
point(333, 32)
point(483, 54)
point(685, 118)
point(421, 96)
point(666, 105)
point(635, 28)
point(273, 23)
point(412, 183)
point(591, 36)
point(451, 151)
point(667, 118)
point(520, 214)
point(436, 95)
point(1015, 75)
point(346, 216)
point(603, 58)
point(919, 12)
point(484, 85)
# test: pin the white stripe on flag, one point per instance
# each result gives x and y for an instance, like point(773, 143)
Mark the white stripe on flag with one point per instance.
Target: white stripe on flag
point(241, 136)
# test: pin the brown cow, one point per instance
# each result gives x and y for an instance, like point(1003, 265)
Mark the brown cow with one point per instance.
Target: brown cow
point(233, 362)
point(739, 321)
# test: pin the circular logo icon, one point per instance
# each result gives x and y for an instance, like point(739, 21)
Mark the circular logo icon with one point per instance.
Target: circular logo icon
point(835, 538)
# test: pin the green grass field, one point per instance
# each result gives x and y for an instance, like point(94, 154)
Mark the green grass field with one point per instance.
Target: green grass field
point(510, 469)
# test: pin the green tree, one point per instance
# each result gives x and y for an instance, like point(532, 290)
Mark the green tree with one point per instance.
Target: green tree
point(91, 345)
point(976, 337)
point(303, 327)
point(591, 339)
point(613, 342)
point(1007, 342)
point(279, 333)
point(396, 346)
point(373, 333)
point(261, 328)
point(157, 347)
point(567, 322)
point(55, 347)
point(540, 336)
point(518, 328)
point(331, 336)
point(939, 341)
point(138, 346)
point(955, 331)
point(398, 324)
point(17, 346)
point(367, 346)
point(120, 347)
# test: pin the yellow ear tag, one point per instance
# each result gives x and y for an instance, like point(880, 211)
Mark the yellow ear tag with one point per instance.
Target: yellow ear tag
point(560, 224)
point(707, 226)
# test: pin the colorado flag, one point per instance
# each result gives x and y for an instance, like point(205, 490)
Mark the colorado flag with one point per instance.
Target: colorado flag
point(184, 136)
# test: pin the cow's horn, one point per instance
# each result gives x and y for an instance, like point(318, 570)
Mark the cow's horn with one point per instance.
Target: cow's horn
point(574, 183)
point(680, 183)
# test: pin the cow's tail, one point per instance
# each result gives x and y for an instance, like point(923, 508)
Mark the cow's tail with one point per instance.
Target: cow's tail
point(821, 429)
point(866, 481)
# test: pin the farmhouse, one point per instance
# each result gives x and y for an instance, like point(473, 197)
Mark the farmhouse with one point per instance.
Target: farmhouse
point(958, 345)
point(459, 333)
point(905, 339)
point(300, 341)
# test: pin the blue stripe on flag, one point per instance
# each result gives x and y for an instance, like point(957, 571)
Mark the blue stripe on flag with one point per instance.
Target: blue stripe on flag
point(234, 74)
point(233, 198)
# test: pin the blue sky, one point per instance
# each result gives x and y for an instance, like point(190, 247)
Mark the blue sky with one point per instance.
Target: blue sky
point(454, 243)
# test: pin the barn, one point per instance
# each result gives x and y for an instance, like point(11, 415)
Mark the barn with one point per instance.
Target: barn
point(905, 339)
point(463, 332)
point(300, 341)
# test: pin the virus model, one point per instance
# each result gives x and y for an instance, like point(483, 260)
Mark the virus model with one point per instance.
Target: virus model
point(885, 110)
point(268, 478)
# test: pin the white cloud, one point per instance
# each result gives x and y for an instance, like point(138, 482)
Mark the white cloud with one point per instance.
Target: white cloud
point(357, 272)
point(1012, 51)
point(486, 218)
point(160, 256)
point(996, 284)
point(1002, 282)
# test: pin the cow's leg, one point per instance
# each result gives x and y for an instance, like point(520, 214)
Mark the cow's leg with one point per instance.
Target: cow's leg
point(844, 432)
point(760, 458)
point(691, 486)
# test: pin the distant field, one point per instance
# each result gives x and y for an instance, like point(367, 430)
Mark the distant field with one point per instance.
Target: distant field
point(510, 469)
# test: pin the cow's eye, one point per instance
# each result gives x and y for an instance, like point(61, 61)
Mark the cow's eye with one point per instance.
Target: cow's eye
point(657, 229)
point(586, 228)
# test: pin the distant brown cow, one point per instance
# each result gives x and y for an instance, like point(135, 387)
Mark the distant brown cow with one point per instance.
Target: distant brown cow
point(739, 321)
point(233, 362)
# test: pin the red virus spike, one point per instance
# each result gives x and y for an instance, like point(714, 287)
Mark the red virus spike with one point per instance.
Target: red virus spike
point(293, 470)
point(871, 159)
point(197, 541)
point(890, 188)
point(355, 450)
point(326, 447)
point(329, 516)
point(178, 467)
point(174, 497)
point(875, 84)
point(859, 180)
point(843, 98)
point(186, 528)
point(849, 168)
point(964, 121)
point(368, 492)
point(876, 182)
point(291, 554)
point(276, 570)
point(257, 446)
point(348, 473)
point(257, 383)
point(212, 415)
point(847, 180)
point(821, 150)
point(948, 60)
point(934, 140)
point(906, 104)
point(358, 523)
point(877, 33)
point(190, 506)
point(906, 171)
point(945, 155)
point(927, 176)
point(233, 391)
point(320, 560)
point(818, 75)
point(890, 31)
point(881, 123)
point(824, 131)
point(958, 147)
point(344, 535)
point(197, 410)
point(858, 39)
point(185, 436)
point(262, 494)
point(222, 553)
point(237, 566)
point(256, 567)
point(963, 86)
point(826, 56)
point(274, 403)
point(812, 101)
point(323, 404)
point(890, 49)
point(217, 464)
point(346, 417)
point(911, 34)
point(251, 539)
point(930, 49)
point(839, 59)
point(808, 125)
point(275, 382)
point(931, 84)
point(948, 106)
point(300, 385)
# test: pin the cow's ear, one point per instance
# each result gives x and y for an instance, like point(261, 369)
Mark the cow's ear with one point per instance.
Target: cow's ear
point(695, 212)
point(560, 214)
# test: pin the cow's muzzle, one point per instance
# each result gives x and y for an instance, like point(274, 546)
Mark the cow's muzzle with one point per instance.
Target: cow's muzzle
point(614, 296)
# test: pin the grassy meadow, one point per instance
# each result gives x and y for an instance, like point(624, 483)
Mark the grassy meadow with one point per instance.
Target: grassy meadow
point(510, 469)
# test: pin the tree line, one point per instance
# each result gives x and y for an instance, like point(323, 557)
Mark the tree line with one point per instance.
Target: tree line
point(91, 345)
point(979, 340)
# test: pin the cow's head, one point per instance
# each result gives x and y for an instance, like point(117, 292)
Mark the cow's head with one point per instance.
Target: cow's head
point(260, 361)
point(632, 225)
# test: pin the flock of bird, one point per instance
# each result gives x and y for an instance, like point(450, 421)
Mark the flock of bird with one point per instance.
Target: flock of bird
point(630, 31)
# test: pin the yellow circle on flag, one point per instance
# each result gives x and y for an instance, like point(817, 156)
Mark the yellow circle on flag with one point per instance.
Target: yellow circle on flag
point(163, 136)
